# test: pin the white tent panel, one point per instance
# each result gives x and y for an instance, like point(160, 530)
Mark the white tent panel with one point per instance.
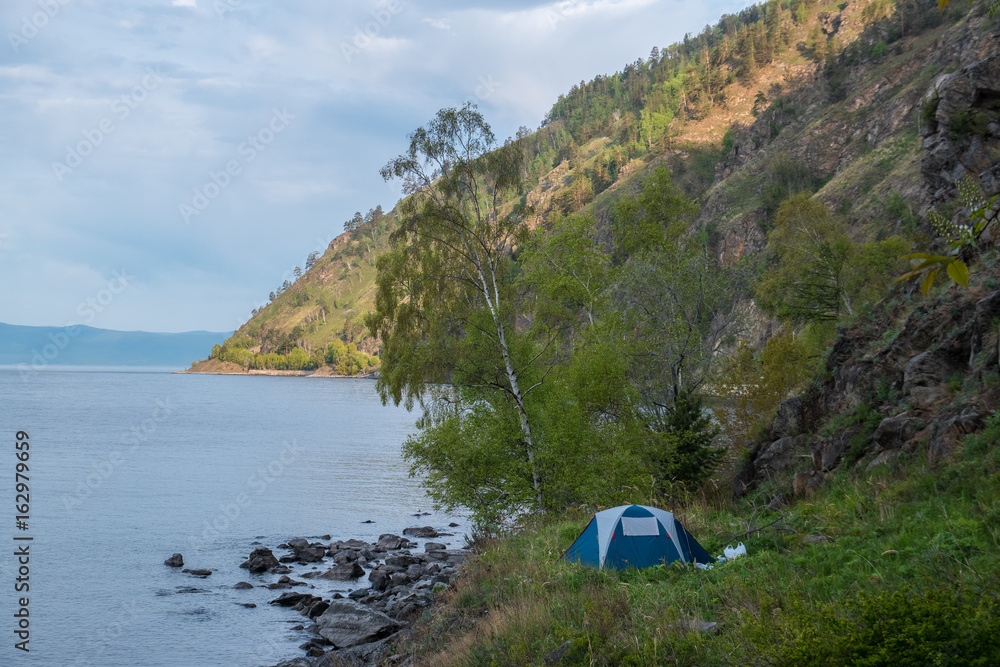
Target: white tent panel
point(606, 521)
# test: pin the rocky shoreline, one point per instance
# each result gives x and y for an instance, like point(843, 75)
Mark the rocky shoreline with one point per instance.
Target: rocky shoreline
point(323, 372)
point(357, 629)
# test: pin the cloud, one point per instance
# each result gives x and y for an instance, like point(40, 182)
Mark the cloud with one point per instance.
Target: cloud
point(440, 24)
point(222, 76)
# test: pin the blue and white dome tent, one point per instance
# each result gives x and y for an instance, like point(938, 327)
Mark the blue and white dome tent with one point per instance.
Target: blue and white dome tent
point(634, 536)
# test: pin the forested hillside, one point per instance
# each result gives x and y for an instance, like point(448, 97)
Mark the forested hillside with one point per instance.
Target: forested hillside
point(747, 112)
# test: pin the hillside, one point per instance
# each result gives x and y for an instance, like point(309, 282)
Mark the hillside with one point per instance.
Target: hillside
point(296, 328)
point(777, 99)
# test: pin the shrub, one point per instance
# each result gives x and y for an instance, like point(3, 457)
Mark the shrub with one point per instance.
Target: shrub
point(908, 626)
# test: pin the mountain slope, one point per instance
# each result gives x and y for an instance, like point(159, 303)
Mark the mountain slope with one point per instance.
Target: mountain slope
point(780, 98)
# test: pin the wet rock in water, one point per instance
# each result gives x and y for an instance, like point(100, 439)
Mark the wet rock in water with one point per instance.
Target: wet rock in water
point(403, 560)
point(297, 543)
point(175, 561)
point(310, 554)
point(248, 605)
point(453, 525)
point(243, 585)
point(261, 560)
point(316, 608)
point(348, 623)
point(392, 542)
point(297, 662)
point(368, 521)
point(434, 546)
point(289, 599)
point(198, 573)
point(324, 537)
point(344, 572)
point(422, 531)
point(345, 556)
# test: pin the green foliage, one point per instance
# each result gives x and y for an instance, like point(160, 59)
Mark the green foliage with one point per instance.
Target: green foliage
point(296, 359)
point(760, 103)
point(684, 437)
point(911, 626)
point(753, 385)
point(902, 211)
point(652, 219)
point(345, 358)
point(960, 240)
point(568, 268)
point(785, 177)
point(817, 272)
point(728, 141)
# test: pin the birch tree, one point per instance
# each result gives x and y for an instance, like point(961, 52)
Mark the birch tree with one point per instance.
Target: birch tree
point(445, 314)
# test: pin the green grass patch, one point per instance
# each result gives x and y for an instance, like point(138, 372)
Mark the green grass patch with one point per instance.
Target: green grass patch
point(905, 573)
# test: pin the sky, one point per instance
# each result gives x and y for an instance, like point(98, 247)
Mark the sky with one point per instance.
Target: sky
point(164, 164)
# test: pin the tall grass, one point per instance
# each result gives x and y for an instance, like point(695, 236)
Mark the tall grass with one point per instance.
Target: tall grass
point(899, 553)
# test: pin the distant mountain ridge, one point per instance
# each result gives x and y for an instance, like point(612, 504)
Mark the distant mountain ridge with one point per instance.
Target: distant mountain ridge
point(38, 347)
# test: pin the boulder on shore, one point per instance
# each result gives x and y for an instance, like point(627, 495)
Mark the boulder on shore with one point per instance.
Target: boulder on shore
point(348, 623)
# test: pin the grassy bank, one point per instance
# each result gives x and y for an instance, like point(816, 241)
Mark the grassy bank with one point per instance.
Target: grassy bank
point(897, 565)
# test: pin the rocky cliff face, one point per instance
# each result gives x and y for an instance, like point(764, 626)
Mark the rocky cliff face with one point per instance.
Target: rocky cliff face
point(929, 373)
point(914, 390)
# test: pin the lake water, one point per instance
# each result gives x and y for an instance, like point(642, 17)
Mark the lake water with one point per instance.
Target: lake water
point(129, 466)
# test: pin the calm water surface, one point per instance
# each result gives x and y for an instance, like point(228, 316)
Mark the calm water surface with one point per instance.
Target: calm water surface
point(128, 467)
